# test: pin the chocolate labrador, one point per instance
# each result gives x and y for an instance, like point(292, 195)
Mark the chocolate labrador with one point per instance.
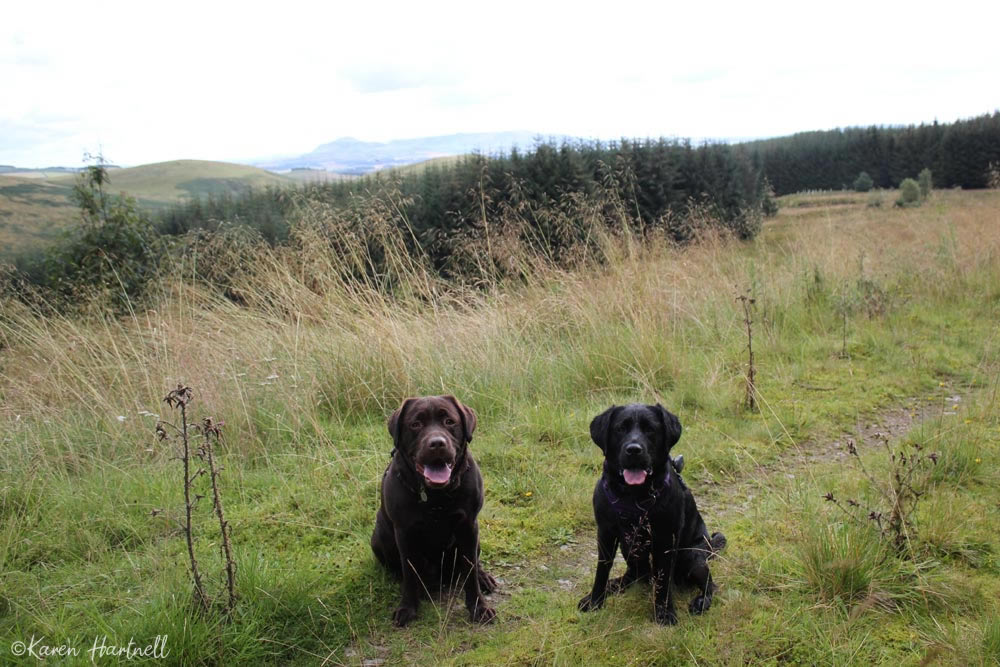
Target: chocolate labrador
point(642, 505)
point(426, 528)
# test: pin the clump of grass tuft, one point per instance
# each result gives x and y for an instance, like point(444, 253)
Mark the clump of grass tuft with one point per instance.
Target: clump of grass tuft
point(841, 562)
point(991, 640)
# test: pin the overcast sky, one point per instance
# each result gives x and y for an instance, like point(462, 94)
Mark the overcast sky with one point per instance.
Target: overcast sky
point(146, 82)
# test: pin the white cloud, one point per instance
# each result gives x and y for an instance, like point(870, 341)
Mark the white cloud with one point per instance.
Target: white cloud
point(212, 80)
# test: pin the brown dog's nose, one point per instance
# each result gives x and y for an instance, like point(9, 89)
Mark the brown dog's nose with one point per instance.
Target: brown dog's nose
point(436, 441)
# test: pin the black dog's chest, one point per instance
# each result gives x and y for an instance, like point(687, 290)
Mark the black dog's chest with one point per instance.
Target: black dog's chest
point(642, 528)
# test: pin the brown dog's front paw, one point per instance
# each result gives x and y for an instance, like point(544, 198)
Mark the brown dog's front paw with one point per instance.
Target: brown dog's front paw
point(587, 603)
point(666, 616)
point(487, 584)
point(700, 604)
point(483, 614)
point(402, 616)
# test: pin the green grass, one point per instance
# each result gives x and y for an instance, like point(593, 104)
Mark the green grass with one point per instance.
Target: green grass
point(305, 382)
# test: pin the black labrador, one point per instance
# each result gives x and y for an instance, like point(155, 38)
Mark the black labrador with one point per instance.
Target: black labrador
point(426, 528)
point(642, 505)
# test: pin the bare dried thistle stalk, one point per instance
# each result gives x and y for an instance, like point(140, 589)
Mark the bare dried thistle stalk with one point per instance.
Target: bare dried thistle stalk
point(210, 429)
point(751, 390)
point(179, 398)
point(901, 492)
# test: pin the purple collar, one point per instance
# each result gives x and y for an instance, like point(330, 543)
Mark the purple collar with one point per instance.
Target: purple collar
point(628, 508)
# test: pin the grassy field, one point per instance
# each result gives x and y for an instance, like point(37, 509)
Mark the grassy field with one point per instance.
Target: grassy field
point(865, 320)
point(34, 210)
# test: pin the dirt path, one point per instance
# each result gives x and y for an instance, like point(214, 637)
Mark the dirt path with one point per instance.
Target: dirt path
point(722, 499)
point(571, 566)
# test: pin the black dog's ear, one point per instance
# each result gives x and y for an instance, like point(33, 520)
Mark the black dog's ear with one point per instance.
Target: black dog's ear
point(468, 416)
point(396, 418)
point(599, 427)
point(671, 426)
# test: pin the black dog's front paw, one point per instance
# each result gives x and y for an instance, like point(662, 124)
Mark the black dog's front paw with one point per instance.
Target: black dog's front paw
point(700, 604)
point(665, 615)
point(618, 585)
point(402, 616)
point(587, 603)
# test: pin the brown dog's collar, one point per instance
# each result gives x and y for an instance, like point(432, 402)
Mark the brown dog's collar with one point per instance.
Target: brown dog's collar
point(421, 489)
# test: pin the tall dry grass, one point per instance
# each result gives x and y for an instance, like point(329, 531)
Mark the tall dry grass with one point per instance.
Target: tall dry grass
point(322, 337)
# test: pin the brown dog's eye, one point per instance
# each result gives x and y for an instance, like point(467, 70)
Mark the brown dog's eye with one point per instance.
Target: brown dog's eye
point(448, 421)
point(416, 426)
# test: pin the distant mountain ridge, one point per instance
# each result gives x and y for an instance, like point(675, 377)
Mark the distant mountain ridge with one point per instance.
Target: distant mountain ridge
point(352, 156)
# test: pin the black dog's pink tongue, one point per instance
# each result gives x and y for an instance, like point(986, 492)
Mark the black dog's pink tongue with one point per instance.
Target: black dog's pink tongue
point(438, 473)
point(634, 476)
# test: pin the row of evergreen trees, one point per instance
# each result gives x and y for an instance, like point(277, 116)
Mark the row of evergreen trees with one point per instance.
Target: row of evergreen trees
point(655, 182)
point(545, 201)
point(959, 154)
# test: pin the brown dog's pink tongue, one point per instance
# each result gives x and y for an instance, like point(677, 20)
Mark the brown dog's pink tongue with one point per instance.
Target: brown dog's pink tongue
point(437, 474)
point(634, 476)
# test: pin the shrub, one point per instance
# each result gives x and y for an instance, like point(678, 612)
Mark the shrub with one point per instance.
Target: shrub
point(863, 183)
point(926, 182)
point(993, 176)
point(909, 193)
point(113, 254)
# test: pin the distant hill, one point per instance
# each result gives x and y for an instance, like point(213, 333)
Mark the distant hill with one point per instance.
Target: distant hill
point(306, 175)
point(36, 204)
point(351, 156)
point(168, 182)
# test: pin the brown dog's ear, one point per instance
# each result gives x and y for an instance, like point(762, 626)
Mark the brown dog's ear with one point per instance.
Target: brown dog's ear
point(599, 428)
point(396, 418)
point(467, 414)
point(671, 426)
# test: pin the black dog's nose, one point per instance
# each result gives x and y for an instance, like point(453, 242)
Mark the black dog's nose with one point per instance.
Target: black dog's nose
point(436, 442)
point(633, 449)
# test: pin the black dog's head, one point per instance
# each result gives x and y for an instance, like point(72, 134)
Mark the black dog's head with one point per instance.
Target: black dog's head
point(432, 432)
point(636, 440)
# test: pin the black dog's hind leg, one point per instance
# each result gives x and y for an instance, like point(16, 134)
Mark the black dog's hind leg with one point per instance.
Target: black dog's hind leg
point(607, 545)
point(699, 574)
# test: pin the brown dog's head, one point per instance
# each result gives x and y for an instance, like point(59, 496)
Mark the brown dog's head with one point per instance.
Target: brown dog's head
point(432, 432)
